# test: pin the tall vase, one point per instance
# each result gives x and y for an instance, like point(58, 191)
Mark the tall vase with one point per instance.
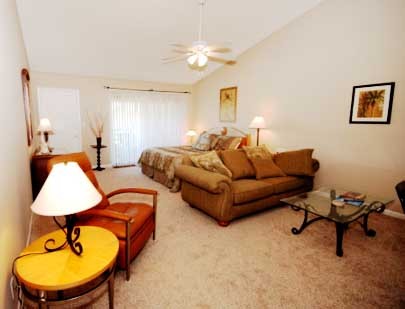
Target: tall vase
point(98, 139)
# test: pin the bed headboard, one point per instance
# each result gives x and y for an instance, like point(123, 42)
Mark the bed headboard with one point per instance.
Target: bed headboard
point(232, 131)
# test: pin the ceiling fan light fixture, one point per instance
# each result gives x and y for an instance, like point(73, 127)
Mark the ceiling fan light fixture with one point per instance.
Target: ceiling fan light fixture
point(199, 53)
point(202, 60)
point(192, 59)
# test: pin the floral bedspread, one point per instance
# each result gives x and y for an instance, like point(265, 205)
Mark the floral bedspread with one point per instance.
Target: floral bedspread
point(166, 159)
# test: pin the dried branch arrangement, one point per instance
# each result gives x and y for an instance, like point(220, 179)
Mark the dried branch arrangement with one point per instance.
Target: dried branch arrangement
point(96, 124)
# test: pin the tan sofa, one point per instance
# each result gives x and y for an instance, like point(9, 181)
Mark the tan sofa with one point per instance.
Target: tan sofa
point(226, 199)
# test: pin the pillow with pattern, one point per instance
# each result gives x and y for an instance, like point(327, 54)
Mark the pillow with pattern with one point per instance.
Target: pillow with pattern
point(227, 143)
point(260, 152)
point(210, 161)
point(204, 141)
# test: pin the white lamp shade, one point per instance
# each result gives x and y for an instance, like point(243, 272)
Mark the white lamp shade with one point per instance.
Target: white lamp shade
point(66, 191)
point(191, 133)
point(44, 125)
point(258, 123)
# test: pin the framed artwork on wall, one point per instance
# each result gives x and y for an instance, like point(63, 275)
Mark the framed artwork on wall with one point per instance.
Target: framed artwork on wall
point(25, 78)
point(227, 104)
point(372, 103)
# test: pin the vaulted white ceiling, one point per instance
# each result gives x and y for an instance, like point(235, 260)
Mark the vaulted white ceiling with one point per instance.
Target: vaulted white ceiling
point(127, 38)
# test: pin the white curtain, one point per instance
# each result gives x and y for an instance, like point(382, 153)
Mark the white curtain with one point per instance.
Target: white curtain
point(140, 120)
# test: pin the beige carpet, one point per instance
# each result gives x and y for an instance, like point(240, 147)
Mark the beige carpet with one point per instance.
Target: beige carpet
point(255, 262)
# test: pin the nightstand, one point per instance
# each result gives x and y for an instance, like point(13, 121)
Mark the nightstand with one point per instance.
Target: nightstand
point(61, 277)
point(39, 171)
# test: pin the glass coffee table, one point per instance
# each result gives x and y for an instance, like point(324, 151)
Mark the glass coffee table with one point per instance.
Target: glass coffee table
point(319, 203)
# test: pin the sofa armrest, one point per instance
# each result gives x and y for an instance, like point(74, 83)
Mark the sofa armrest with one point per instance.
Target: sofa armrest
point(315, 165)
point(201, 178)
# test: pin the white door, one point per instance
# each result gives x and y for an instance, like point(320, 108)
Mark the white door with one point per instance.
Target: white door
point(62, 107)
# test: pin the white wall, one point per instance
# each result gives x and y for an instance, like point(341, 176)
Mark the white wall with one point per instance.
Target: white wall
point(15, 184)
point(300, 79)
point(93, 99)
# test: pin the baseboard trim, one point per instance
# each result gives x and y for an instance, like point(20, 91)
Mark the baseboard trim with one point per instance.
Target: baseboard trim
point(109, 165)
point(394, 214)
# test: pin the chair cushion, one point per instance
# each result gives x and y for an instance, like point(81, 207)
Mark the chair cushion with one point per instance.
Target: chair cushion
point(246, 190)
point(139, 211)
point(286, 183)
point(238, 163)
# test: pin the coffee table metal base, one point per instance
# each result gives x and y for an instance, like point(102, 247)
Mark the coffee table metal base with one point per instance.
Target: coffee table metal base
point(340, 228)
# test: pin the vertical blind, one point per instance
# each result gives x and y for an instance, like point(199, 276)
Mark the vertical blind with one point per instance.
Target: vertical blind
point(140, 120)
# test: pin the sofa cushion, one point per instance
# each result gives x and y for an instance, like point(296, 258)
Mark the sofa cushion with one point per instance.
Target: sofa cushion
point(246, 190)
point(286, 183)
point(210, 161)
point(298, 162)
point(238, 163)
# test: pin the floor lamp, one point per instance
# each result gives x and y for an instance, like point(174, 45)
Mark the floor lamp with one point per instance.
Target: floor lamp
point(257, 123)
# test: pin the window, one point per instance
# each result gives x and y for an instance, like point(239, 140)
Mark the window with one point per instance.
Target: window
point(140, 120)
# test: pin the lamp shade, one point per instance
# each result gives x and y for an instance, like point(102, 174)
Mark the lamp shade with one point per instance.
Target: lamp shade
point(44, 125)
point(258, 123)
point(66, 191)
point(191, 133)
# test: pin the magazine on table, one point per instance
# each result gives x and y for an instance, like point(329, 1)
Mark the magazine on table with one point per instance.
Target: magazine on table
point(352, 198)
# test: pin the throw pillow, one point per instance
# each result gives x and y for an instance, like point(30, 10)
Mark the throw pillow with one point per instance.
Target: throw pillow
point(210, 161)
point(257, 152)
point(266, 168)
point(297, 163)
point(262, 162)
point(227, 142)
point(204, 141)
point(238, 163)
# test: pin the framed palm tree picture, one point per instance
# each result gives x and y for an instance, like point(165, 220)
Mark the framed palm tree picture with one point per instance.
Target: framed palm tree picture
point(372, 103)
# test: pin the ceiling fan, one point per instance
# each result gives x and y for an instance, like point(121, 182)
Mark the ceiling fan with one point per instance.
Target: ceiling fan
point(199, 52)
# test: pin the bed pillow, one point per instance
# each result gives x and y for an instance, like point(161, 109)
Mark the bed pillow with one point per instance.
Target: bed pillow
point(210, 161)
point(263, 163)
point(238, 163)
point(204, 141)
point(296, 163)
point(227, 142)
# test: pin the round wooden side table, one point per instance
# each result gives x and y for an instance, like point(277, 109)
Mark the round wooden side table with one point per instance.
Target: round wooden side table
point(60, 277)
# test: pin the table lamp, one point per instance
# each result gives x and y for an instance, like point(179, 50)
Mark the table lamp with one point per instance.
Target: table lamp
point(44, 129)
point(257, 123)
point(66, 191)
point(191, 134)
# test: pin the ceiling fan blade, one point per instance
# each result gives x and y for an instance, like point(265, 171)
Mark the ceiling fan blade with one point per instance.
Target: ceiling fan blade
point(220, 60)
point(174, 58)
point(182, 46)
point(217, 49)
point(180, 51)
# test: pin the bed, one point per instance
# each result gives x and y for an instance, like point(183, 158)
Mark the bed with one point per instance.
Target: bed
point(160, 163)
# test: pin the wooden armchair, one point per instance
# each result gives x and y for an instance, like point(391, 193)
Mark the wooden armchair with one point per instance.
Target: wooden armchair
point(132, 223)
